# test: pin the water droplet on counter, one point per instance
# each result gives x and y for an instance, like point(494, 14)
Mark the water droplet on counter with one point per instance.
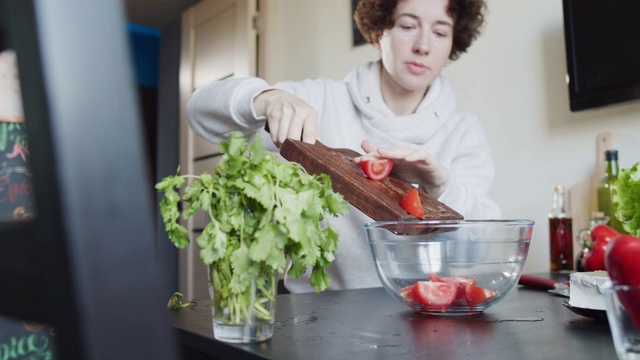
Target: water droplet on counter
point(383, 346)
point(523, 319)
point(297, 320)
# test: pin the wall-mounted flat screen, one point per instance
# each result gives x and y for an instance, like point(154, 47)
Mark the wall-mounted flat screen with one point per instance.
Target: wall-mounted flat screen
point(602, 39)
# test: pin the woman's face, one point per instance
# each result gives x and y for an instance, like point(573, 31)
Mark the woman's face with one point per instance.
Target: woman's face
point(415, 50)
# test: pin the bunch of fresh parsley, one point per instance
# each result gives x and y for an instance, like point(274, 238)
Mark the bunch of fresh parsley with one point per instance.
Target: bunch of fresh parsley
point(262, 212)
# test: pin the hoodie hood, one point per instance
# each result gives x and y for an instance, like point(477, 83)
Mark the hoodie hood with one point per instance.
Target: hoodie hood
point(363, 84)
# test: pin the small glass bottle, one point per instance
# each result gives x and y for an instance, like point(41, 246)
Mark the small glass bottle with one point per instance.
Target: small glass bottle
point(560, 233)
point(605, 190)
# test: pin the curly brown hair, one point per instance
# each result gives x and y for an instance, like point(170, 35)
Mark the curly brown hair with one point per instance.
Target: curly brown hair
point(373, 17)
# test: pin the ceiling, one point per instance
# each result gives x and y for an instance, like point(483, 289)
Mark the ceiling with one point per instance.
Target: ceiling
point(156, 13)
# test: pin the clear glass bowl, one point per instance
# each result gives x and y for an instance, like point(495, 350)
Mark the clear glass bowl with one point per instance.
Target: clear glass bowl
point(449, 267)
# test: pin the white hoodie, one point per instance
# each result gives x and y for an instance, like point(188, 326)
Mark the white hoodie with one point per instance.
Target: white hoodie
point(350, 111)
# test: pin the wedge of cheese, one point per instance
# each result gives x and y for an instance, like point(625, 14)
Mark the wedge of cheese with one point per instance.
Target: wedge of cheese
point(585, 289)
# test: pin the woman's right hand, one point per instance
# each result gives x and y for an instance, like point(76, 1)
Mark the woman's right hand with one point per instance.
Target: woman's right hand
point(288, 116)
point(413, 165)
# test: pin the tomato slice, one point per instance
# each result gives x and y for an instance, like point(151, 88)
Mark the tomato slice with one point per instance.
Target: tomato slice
point(434, 294)
point(407, 293)
point(407, 288)
point(461, 280)
point(477, 295)
point(376, 169)
point(461, 283)
point(411, 203)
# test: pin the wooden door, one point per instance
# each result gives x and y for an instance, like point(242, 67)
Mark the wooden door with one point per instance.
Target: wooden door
point(218, 41)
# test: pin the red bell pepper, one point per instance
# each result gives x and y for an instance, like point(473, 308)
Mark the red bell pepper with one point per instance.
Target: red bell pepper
point(601, 236)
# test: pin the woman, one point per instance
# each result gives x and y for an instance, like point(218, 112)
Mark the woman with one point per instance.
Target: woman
point(398, 107)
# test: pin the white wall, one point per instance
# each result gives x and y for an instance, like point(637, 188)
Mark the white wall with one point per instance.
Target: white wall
point(513, 78)
point(309, 39)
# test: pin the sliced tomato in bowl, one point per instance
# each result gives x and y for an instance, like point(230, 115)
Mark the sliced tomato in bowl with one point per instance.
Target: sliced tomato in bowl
point(434, 294)
point(407, 293)
point(462, 280)
point(446, 294)
point(476, 295)
point(376, 169)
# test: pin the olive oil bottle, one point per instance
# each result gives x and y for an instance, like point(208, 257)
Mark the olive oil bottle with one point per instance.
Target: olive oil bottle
point(605, 190)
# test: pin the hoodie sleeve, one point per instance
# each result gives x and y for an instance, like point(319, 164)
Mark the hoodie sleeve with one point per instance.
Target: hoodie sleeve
point(219, 108)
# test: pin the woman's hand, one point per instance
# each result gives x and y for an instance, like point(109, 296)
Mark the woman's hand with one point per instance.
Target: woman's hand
point(288, 116)
point(412, 165)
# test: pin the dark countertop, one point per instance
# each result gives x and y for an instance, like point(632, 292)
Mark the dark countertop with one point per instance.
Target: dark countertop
point(370, 324)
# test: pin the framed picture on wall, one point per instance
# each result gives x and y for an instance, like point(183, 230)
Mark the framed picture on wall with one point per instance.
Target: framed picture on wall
point(358, 39)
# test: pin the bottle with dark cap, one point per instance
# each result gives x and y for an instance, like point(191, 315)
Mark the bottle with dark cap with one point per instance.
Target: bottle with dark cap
point(605, 189)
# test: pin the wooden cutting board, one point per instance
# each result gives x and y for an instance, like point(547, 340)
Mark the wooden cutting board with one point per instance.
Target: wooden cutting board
point(380, 200)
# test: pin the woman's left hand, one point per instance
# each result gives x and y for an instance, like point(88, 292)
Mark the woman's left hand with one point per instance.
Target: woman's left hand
point(412, 165)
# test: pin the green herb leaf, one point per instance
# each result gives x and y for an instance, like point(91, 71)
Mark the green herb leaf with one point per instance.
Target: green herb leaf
point(175, 303)
point(319, 279)
point(213, 242)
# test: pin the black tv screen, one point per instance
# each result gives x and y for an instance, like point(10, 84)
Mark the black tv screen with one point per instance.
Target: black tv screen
point(602, 39)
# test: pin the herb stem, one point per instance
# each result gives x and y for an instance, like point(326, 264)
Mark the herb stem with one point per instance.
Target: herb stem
point(261, 312)
point(266, 292)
